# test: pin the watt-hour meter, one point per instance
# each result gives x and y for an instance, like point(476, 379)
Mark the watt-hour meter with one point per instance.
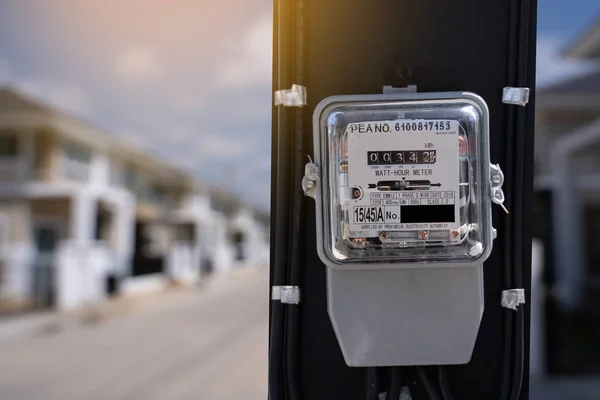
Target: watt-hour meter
point(404, 182)
point(404, 185)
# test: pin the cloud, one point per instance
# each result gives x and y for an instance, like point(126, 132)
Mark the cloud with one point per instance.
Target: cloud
point(252, 65)
point(218, 146)
point(5, 73)
point(178, 135)
point(552, 67)
point(139, 63)
point(187, 102)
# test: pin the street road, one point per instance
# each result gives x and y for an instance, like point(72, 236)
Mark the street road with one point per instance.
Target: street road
point(203, 344)
point(207, 343)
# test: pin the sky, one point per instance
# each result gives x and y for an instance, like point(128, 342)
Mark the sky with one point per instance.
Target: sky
point(188, 80)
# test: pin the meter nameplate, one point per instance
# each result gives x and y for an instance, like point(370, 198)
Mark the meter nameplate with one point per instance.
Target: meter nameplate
point(403, 176)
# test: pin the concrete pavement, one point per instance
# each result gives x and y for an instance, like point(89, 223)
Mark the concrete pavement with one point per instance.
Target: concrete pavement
point(193, 344)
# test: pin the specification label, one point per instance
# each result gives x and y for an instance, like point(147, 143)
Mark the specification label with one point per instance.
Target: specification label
point(414, 198)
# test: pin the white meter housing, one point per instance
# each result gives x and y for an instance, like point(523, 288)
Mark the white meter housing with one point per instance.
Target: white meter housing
point(405, 182)
point(403, 187)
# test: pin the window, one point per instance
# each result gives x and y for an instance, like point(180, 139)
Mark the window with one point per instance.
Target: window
point(147, 193)
point(45, 239)
point(8, 144)
point(76, 162)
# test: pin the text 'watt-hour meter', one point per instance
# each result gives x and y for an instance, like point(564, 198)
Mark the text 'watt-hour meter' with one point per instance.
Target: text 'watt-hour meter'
point(403, 187)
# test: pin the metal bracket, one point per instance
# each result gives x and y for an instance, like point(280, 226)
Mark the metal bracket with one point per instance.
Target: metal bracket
point(511, 298)
point(309, 181)
point(496, 181)
point(294, 97)
point(286, 294)
point(515, 95)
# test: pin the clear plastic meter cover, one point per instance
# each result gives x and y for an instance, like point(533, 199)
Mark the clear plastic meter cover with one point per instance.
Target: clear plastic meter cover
point(404, 180)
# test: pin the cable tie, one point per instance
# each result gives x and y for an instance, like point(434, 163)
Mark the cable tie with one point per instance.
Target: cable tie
point(511, 298)
point(518, 96)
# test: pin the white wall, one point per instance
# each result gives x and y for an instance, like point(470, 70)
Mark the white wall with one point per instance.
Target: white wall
point(80, 274)
point(220, 250)
point(121, 203)
point(181, 265)
point(210, 231)
point(18, 272)
point(255, 245)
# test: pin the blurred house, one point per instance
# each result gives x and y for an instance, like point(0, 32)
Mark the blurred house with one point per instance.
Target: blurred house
point(84, 216)
point(567, 207)
point(247, 228)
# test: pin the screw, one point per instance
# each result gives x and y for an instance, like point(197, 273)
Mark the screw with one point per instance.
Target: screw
point(384, 235)
point(423, 235)
point(310, 184)
point(476, 250)
point(359, 241)
point(496, 179)
point(455, 234)
point(356, 193)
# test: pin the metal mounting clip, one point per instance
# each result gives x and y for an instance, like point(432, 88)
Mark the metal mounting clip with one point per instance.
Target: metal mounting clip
point(286, 294)
point(496, 181)
point(294, 97)
point(396, 90)
point(515, 95)
point(309, 181)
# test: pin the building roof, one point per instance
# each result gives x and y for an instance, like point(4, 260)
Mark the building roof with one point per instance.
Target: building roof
point(588, 84)
point(32, 111)
point(12, 101)
point(586, 46)
point(19, 110)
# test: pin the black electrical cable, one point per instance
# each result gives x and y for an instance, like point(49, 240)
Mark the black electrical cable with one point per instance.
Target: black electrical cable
point(280, 214)
point(429, 388)
point(514, 323)
point(520, 148)
point(372, 389)
point(514, 339)
point(443, 382)
point(517, 378)
point(395, 383)
point(297, 217)
point(509, 174)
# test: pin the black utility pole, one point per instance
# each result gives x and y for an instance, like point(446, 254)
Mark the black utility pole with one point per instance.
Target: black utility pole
point(339, 47)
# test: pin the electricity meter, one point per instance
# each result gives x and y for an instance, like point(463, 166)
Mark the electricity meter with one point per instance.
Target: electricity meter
point(403, 187)
point(405, 182)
